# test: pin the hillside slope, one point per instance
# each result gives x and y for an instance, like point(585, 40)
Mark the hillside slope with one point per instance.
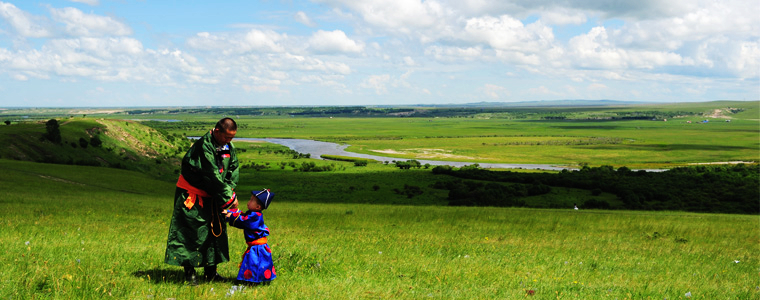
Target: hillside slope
point(123, 144)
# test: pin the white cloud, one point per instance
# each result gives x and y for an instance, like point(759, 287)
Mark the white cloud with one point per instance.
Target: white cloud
point(302, 18)
point(24, 23)
point(404, 16)
point(564, 16)
point(507, 33)
point(81, 24)
point(543, 91)
point(378, 83)
point(409, 61)
point(596, 50)
point(254, 40)
point(494, 91)
point(334, 42)
point(450, 54)
point(88, 2)
point(596, 87)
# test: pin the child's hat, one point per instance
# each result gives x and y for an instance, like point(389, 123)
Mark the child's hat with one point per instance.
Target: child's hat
point(265, 196)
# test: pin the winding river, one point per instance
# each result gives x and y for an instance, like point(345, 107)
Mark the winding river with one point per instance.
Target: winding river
point(317, 148)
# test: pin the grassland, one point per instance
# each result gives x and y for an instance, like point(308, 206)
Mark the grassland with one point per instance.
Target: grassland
point(86, 232)
point(589, 137)
point(563, 136)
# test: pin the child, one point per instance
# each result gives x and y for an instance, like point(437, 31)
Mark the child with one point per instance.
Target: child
point(257, 266)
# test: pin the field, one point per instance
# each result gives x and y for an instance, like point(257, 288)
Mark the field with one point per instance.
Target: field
point(66, 235)
point(586, 136)
point(75, 231)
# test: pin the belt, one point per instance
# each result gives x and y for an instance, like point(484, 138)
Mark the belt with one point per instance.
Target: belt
point(193, 193)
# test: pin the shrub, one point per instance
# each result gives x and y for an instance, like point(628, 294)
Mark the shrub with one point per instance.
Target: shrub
point(95, 141)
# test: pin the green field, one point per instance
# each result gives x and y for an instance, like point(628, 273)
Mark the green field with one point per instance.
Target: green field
point(563, 136)
point(86, 232)
point(71, 230)
point(591, 136)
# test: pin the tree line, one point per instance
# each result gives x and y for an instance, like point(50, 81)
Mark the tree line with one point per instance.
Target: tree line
point(716, 189)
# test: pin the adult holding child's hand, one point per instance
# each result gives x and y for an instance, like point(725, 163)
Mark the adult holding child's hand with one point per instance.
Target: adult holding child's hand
point(209, 175)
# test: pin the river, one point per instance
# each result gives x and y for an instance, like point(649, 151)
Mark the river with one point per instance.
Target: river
point(317, 148)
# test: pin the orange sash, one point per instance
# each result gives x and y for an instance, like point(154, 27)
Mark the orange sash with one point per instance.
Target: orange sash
point(193, 193)
point(260, 241)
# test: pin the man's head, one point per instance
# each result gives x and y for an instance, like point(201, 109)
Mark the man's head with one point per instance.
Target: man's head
point(225, 131)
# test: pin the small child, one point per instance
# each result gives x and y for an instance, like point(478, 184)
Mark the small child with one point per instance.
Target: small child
point(257, 266)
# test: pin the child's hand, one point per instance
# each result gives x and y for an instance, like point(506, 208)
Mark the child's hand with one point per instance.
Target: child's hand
point(226, 213)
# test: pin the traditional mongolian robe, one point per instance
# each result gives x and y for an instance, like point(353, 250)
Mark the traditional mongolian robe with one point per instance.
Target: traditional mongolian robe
point(198, 233)
point(256, 265)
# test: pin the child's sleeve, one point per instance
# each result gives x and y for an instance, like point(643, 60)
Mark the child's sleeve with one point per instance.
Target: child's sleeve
point(251, 221)
point(234, 213)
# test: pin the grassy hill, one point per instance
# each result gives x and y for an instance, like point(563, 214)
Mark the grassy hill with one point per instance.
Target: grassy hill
point(125, 145)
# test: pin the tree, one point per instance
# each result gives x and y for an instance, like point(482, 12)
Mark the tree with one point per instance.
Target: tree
point(95, 141)
point(83, 143)
point(53, 133)
point(7, 122)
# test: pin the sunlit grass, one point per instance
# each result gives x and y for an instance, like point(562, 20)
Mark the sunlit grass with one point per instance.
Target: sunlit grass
point(64, 236)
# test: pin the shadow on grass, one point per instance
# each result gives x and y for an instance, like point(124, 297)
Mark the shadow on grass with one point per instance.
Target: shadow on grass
point(172, 276)
point(168, 275)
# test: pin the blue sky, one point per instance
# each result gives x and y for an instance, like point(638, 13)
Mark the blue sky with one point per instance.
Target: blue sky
point(103, 53)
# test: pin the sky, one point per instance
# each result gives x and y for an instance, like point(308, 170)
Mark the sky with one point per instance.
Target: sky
point(124, 53)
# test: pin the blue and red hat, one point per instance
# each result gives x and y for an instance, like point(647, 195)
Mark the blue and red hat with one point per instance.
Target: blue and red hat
point(265, 196)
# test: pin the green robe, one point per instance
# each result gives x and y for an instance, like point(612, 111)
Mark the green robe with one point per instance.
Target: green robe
point(191, 242)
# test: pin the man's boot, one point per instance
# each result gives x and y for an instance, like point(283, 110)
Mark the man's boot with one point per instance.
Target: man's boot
point(211, 274)
point(190, 276)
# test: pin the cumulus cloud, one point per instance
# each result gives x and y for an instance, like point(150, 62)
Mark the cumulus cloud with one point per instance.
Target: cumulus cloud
point(646, 41)
point(564, 16)
point(378, 83)
point(24, 23)
point(507, 33)
point(254, 40)
point(302, 18)
point(88, 2)
point(596, 50)
point(81, 24)
point(494, 91)
point(451, 54)
point(334, 42)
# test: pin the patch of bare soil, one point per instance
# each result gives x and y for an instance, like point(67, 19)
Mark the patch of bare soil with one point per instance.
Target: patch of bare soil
point(719, 114)
point(426, 153)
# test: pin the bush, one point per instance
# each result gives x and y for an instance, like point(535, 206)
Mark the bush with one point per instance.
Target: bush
point(95, 141)
point(53, 132)
point(594, 203)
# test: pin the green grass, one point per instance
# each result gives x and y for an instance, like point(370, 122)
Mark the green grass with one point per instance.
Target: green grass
point(588, 139)
point(86, 232)
point(639, 144)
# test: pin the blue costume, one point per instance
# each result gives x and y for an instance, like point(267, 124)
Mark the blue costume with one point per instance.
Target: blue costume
point(256, 265)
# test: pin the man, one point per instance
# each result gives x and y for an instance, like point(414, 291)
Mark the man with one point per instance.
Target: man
point(197, 234)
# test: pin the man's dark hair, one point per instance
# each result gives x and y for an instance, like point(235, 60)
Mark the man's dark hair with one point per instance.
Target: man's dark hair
point(226, 124)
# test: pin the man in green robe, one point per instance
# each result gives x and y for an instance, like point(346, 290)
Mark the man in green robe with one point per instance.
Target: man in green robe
point(197, 234)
